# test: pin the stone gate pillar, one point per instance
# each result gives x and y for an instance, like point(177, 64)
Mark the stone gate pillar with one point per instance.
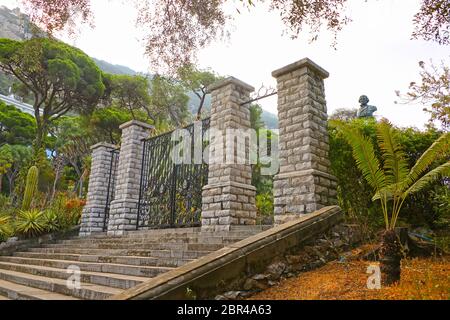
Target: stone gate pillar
point(123, 210)
point(304, 183)
point(93, 216)
point(229, 198)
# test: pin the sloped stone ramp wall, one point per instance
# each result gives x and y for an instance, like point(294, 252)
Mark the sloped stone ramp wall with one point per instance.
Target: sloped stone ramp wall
point(231, 267)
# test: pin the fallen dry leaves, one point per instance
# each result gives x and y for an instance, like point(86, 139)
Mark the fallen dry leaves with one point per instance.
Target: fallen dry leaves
point(421, 279)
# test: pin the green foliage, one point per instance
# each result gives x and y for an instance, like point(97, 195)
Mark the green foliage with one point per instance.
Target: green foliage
point(131, 93)
point(51, 220)
point(355, 194)
point(6, 228)
point(197, 81)
point(62, 78)
point(30, 187)
point(391, 181)
point(264, 204)
point(6, 158)
point(30, 223)
point(68, 211)
point(105, 122)
point(169, 100)
point(16, 127)
point(5, 202)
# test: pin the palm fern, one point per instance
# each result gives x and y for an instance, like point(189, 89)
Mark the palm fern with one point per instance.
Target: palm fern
point(393, 181)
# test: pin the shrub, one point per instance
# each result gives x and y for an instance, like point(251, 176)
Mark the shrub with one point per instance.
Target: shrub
point(51, 221)
point(30, 223)
point(5, 202)
point(354, 193)
point(264, 207)
point(6, 229)
point(73, 209)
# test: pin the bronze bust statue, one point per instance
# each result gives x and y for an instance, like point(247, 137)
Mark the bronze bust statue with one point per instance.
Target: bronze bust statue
point(365, 111)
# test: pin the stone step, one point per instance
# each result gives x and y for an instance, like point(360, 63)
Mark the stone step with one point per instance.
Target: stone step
point(86, 290)
point(125, 252)
point(99, 267)
point(244, 232)
point(141, 241)
point(14, 291)
point(102, 278)
point(144, 245)
point(130, 260)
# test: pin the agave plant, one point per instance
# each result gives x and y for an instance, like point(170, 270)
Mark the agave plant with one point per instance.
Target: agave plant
point(51, 220)
point(30, 223)
point(393, 181)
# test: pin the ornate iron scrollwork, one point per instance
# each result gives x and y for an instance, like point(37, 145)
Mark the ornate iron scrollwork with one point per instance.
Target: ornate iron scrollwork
point(111, 186)
point(171, 194)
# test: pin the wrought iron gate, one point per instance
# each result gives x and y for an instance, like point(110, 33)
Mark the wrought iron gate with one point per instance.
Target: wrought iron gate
point(111, 185)
point(171, 194)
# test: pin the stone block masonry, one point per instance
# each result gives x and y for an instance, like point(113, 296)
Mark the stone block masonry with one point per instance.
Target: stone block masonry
point(93, 217)
point(304, 183)
point(229, 198)
point(124, 209)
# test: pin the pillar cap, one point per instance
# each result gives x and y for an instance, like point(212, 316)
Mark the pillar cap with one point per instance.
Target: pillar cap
point(104, 145)
point(136, 123)
point(230, 80)
point(305, 62)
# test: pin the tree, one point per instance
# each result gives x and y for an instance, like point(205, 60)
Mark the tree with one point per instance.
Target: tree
point(178, 29)
point(6, 160)
point(16, 127)
point(169, 100)
point(434, 90)
point(132, 94)
point(71, 141)
point(393, 182)
point(57, 14)
point(21, 156)
point(105, 122)
point(197, 81)
point(432, 22)
point(344, 114)
point(60, 77)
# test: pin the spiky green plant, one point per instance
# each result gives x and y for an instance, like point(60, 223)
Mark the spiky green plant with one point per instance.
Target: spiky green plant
point(51, 220)
point(6, 229)
point(30, 187)
point(393, 181)
point(30, 223)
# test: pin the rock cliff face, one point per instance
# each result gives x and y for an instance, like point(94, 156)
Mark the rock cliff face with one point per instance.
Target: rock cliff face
point(14, 24)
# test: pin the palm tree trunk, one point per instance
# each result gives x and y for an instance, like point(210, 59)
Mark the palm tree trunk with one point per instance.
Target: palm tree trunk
point(390, 258)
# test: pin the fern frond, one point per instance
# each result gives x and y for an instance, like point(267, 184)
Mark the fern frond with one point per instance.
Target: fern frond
point(433, 175)
point(365, 158)
point(395, 165)
point(438, 150)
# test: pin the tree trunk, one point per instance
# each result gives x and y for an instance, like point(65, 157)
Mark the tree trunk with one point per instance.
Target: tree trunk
point(200, 108)
point(390, 258)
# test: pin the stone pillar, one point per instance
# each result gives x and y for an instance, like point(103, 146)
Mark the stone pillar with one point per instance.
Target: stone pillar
point(229, 198)
point(93, 217)
point(304, 183)
point(123, 210)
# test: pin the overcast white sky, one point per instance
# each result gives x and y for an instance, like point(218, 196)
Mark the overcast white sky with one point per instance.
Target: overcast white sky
point(374, 55)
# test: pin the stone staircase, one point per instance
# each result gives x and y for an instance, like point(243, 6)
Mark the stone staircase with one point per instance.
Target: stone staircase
point(108, 264)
